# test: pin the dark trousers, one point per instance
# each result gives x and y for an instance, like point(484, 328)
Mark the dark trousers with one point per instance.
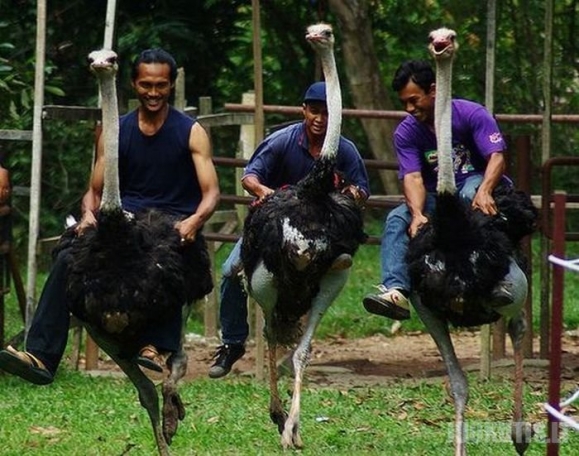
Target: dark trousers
point(48, 332)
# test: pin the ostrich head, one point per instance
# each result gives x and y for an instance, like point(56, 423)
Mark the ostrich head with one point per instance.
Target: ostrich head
point(321, 37)
point(103, 63)
point(442, 44)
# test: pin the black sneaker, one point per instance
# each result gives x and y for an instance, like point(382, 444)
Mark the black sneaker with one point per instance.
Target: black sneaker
point(224, 358)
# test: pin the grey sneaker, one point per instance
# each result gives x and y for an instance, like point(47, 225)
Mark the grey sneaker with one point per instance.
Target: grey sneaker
point(390, 303)
point(224, 357)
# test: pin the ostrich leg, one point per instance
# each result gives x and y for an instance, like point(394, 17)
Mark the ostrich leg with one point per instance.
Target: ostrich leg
point(276, 411)
point(438, 330)
point(265, 294)
point(173, 408)
point(148, 398)
point(521, 432)
point(330, 286)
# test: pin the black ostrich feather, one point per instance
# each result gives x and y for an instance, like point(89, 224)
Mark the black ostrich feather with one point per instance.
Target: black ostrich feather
point(330, 224)
point(518, 216)
point(456, 260)
point(127, 273)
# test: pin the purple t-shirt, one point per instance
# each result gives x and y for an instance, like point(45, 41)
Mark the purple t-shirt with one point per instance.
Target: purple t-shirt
point(283, 159)
point(475, 136)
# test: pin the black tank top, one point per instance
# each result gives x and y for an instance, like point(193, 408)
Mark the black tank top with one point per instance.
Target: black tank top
point(158, 171)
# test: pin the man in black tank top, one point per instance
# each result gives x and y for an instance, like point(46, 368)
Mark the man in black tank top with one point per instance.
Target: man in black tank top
point(181, 182)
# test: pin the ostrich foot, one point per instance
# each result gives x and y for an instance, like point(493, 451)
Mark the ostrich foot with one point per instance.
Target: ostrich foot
point(278, 417)
point(521, 435)
point(173, 412)
point(290, 437)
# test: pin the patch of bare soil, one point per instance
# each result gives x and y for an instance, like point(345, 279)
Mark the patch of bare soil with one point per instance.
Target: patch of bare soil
point(378, 359)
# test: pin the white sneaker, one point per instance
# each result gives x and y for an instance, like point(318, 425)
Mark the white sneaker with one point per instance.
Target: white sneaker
point(390, 302)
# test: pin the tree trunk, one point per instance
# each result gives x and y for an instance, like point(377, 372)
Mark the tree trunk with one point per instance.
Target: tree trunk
point(365, 82)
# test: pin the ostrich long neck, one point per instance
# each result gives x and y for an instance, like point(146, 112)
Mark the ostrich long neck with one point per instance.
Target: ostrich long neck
point(111, 198)
point(443, 126)
point(334, 104)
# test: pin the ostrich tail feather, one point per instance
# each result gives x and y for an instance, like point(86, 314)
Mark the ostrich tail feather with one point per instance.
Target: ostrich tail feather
point(518, 216)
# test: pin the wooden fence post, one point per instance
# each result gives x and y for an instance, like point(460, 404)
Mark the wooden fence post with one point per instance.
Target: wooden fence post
point(211, 304)
point(255, 316)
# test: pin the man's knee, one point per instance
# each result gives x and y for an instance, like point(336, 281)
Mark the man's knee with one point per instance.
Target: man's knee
point(400, 214)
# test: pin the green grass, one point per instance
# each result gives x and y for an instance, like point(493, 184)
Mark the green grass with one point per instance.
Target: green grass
point(81, 415)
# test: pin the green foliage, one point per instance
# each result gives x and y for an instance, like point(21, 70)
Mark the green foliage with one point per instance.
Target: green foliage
point(213, 41)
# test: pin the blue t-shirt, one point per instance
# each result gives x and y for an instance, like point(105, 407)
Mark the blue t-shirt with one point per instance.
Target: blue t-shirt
point(283, 159)
point(157, 172)
point(475, 136)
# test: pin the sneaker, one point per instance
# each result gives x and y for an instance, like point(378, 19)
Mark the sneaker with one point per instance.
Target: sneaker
point(25, 365)
point(224, 358)
point(390, 303)
point(501, 295)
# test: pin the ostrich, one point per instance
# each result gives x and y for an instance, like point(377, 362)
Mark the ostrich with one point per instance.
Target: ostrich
point(297, 248)
point(461, 255)
point(130, 271)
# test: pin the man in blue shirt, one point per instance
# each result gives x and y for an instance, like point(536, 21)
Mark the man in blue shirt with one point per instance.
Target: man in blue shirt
point(283, 158)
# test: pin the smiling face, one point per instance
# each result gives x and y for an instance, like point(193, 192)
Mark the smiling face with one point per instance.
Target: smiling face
point(417, 102)
point(153, 86)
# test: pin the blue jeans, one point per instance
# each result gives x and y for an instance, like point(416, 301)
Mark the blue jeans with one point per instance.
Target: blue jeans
point(233, 300)
point(395, 237)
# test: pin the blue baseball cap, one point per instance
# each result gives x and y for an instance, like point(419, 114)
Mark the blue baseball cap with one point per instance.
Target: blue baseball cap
point(316, 92)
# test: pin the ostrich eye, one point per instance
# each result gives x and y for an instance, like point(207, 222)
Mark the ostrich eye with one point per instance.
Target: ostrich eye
point(327, 33)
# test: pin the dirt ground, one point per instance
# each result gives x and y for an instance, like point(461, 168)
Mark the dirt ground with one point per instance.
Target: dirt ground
point(379, 359)
point(345, 363)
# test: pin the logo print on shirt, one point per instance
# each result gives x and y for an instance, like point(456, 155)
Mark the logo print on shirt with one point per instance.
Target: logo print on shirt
point(495, 138)
point(431, 157)
point(461, 160)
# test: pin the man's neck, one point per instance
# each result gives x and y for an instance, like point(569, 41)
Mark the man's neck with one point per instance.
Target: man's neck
point(315, 143)
point(150, 122)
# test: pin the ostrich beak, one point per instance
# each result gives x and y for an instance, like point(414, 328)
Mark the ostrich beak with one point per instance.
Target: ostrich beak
point(441, 47)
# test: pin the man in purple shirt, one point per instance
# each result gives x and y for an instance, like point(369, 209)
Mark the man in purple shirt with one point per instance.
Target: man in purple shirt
point(479, 165)
point(283, 158)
